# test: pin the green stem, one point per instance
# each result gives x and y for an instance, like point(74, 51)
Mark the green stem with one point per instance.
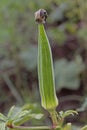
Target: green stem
point(54, 117)
point(33, 128)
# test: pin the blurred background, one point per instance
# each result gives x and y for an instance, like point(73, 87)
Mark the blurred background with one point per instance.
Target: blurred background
point(66, 28)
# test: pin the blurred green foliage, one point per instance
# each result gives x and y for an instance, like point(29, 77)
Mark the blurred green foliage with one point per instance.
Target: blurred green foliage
point(67, 73)
point(66, 28)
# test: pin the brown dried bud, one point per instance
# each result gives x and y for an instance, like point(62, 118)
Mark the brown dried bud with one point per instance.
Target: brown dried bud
point(41, 16)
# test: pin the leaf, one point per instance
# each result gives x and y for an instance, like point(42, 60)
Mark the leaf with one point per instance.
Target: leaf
point(35, 107)
point(29, 58)
point(22, 114)
point(67, 73)
point(69, 112)
point(63, 115)
point(82, 34)
point(2, 117)
point(57, 35)
point(67, 127)
point(83, 107)
point(18, 116)
point(84, 128)
point(4, 34)
point(36, 116)
point(58, 13)
point(6, 64)
point(71, 27)
point(76, 127)
point(23, 117)
point(16, 112)
point(2, 126)
point(11, 111)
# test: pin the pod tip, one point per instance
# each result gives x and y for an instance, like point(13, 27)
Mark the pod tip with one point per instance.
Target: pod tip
point(41, 16)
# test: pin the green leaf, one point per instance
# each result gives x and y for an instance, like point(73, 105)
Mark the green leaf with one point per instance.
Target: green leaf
point(84, 128)
point(58, 13)
point(82, 34)
point(4, 35)
point(69, 112)
point(83, 106)
point(63, 115)
point(2, 126)
point(67, 127)
point(35, 107)
point(18, 116)
point(67, 73)
point(57, 35)
point(71, 27)
point(17, 112)
point(76, 127)
point(7, 64)
point(2, 117)
point(29, 58)
point(36, 116)
point(11, 111)
point(22, 114)
point(23, 117)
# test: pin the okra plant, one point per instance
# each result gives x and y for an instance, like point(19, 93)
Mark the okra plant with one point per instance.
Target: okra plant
point(17, 116)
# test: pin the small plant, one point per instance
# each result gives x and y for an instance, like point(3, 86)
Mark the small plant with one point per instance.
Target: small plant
point(17, 116)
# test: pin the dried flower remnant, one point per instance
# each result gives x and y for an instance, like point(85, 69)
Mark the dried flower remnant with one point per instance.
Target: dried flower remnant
point(41, 16)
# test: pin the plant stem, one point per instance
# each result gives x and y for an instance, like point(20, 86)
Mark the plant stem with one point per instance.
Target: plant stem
point(54, 117)
point(33, 128)
point(12, 88)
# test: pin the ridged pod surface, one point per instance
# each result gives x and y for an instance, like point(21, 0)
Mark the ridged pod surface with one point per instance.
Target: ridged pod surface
point(45, 71)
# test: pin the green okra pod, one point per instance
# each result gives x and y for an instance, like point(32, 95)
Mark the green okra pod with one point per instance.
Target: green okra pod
point(45, 65)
